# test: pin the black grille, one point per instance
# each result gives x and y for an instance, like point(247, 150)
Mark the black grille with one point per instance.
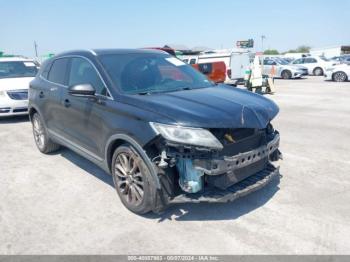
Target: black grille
point(244, 140)
point(20, 110)
point(18, 95)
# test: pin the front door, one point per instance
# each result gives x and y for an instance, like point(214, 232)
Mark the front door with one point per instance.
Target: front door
point(84, 124)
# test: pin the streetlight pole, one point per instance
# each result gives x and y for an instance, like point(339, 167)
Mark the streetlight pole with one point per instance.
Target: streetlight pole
point(262, 42)
point(36, 49)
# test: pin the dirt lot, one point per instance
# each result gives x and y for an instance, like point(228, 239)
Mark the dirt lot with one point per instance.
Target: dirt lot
point(63, 204)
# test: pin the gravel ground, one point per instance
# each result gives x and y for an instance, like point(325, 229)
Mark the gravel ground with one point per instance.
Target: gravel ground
point(63, 204)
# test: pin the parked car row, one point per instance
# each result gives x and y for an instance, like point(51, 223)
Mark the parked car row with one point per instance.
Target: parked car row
point(315, 65)
point(344, 59)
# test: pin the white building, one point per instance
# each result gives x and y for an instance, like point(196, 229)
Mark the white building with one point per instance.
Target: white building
point(330, 51)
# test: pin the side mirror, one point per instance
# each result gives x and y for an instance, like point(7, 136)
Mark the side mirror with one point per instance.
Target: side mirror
point(82, 90)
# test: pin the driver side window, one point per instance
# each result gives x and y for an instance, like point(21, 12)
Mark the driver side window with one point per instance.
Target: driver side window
point(82, 72)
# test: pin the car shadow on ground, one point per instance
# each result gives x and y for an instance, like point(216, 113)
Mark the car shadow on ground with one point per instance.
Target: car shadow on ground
point(13, 119)
point(86, 165)
point(188, 212)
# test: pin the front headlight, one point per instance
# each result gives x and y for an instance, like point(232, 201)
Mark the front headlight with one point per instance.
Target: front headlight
point(187, 135)
point(2, 93)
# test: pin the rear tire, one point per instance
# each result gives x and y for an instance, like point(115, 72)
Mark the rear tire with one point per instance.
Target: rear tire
point(41, 137)
point(286, 74)
point(339, 77)
point(132, 180)
point(318, 71)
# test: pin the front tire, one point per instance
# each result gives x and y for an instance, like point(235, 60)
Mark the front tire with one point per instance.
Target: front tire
point(41, 137)
point(132, 180)
point(318, 71)
point(339, 77)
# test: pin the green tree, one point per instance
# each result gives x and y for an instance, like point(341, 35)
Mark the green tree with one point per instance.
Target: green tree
point(300, 49)
point(271, 52)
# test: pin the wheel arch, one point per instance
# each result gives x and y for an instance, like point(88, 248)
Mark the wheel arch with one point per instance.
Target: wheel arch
point(317, 67)
point(119, 139)
point(287, 70)
point(32, 110)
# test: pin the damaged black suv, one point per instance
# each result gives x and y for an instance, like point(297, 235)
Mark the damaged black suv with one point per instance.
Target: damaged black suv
point(163, 130)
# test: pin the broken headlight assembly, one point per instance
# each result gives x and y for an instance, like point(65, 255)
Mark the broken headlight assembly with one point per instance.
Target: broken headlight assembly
point(187, 135)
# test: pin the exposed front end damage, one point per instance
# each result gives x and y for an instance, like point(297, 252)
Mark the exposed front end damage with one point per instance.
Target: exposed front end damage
point(201, 174)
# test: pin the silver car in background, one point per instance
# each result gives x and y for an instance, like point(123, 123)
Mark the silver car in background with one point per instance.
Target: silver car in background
point(280, 68)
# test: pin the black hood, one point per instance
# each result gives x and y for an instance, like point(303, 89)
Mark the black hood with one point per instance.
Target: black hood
point(215, 107)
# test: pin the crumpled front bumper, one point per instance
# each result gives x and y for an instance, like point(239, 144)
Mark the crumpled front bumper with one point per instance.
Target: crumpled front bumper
point(240, 189)
point(232, 163)
point(229, 178)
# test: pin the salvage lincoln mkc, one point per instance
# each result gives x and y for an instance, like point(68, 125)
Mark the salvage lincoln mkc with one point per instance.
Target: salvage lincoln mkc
point(162, 130)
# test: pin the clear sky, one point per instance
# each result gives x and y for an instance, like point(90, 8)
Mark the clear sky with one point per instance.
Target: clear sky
point(62, 24)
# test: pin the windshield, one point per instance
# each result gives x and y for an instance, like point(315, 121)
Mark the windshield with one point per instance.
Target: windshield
point(15, 69)
point(145, 73)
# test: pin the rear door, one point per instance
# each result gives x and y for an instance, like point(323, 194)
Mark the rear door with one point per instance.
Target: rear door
point(310, 63)
point(56, 82)
point(85, 121)
point(239, 63)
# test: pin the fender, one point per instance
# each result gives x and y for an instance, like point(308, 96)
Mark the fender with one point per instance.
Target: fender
point(139, 150)
point(30, 107)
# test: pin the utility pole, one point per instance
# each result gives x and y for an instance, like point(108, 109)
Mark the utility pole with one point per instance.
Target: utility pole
point(36, 49)
point(262, 52)
point(263, 37)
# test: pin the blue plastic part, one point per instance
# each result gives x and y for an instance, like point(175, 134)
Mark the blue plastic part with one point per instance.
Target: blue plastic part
point(190, 178)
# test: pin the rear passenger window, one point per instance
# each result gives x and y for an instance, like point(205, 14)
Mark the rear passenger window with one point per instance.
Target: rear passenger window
point(58, 70)
point(46, 68)
point(310, 60)
point(299, 61)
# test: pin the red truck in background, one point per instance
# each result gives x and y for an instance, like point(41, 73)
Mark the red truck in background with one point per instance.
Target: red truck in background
point(215, 71)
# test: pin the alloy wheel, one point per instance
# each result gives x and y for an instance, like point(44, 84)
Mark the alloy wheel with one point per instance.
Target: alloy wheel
point(339, 77)
point(39, 134)
point(129, 179)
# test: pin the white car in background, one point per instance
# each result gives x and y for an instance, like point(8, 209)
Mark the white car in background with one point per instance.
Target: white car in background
point(338, 73)
point(282, 69)
point(315, 65)
point(15, 75)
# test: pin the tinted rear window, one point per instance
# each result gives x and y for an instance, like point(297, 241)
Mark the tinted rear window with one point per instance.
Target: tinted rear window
point(58, 71)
